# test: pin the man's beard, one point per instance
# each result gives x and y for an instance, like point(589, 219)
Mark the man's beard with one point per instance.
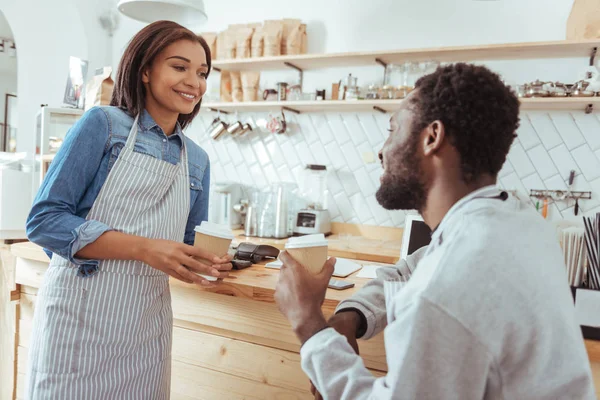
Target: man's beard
point(403, 189)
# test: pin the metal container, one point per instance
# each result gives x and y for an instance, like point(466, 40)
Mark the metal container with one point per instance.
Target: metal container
point(217, 128)
point(250, 225)
point(245, 129)
point(235, 128)
point(281, 195)
point(282, 91)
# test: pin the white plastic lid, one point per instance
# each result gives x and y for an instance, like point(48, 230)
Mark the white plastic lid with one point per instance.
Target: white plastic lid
point(306, 241)
point(212, 229)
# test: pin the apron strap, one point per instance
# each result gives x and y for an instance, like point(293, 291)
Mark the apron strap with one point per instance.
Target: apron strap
point(130, 144)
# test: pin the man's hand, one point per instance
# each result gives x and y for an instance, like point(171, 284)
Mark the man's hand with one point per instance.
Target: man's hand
point(300, 295)
point(347, 324)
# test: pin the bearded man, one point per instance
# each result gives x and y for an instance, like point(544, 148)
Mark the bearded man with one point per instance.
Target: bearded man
point(488, 312)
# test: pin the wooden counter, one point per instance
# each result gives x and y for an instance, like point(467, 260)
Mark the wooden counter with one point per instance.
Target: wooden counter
point(230, 342)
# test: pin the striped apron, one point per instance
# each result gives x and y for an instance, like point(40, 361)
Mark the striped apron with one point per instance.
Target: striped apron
point(108, 336)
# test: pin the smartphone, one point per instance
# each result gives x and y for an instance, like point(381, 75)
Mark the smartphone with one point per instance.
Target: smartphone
point(340, 285)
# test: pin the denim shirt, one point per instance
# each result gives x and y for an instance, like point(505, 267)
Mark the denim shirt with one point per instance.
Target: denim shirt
point(57, 221)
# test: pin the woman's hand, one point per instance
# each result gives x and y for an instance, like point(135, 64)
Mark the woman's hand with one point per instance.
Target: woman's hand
point(178, 260)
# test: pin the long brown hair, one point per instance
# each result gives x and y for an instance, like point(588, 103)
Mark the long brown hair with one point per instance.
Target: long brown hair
point(129, 92)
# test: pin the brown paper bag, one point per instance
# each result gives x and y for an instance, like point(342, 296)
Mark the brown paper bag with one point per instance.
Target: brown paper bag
point(304, 49)
point(257, 44)
point(211, 40)
point(243, 37)
point(290, 27)
point(227, 43)
point(226, 87)
point(99, 89)
point(250, 81)
point(272, 33)
point(221, 39)
point(293, 41)
point(236, 87)
point(584, 20)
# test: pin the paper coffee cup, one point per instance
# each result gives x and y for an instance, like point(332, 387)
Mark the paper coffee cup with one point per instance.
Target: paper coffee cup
point(214, 238)
point(310, 251)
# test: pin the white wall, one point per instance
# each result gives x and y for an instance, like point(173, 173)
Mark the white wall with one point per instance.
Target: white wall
point(549, 144)
point(46, 34)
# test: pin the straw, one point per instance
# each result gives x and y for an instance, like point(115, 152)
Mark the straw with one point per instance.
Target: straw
point(592, 240)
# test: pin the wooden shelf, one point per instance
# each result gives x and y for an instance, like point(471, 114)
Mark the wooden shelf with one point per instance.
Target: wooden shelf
point(570, 103)
point(508, 51)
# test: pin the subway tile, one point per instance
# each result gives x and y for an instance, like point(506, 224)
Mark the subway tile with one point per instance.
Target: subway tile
point(587, 161)
point(526, 134)
point(564, 161)
point(344, 206)
point(381, 214)
point(335, 155)
point(348, 182)
point(285, 174)
point(353, 159)
point(222, 154)
point(247, 152)
point(361, 208)
point(545, 129)
point(507, 168)
point(372, 131)
point(319, 154)
point(305, 124)
point(542, 162)
point(567, 129)
point(258, 176)
point(270, 172)
point(556, 182)
point(357, 134)
point(533, 182)
point(321, 127)
point(398, 217)
point(340, 133)
point(306, 156)
point(513, 183)
point(334, 184)
point(365, 183)
point(520, 161)
point(334, 212)
point(590, 128)
point(234, 151)
point(289, 154)
point(244, 175)
point(261, 153)
point(580, 184)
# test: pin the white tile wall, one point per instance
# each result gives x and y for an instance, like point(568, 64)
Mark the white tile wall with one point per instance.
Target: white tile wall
point(549, 145)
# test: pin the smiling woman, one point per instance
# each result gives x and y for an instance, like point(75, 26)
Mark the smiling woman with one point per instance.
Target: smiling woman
point(112, 212)
point(174, 67)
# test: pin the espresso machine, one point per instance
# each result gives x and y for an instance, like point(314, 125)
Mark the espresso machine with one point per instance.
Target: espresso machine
point(314, 218)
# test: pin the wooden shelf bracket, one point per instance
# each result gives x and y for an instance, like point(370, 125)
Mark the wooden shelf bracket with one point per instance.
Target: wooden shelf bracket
point(290, 110)
point(300, 72)
point(384, 65)
point(218, 111)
